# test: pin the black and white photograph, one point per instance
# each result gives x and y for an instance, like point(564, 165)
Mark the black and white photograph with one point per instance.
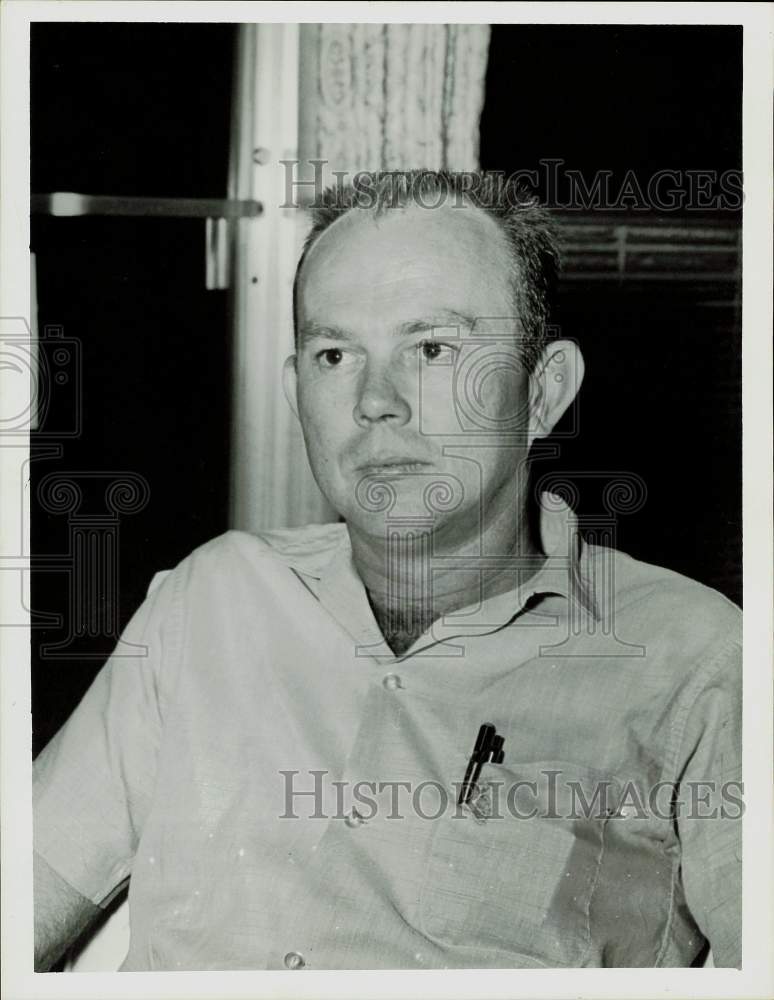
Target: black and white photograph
point(380, 509)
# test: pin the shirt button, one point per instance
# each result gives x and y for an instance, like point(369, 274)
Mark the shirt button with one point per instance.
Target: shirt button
point(354, 819)
point(392, 682)
point(294, 961)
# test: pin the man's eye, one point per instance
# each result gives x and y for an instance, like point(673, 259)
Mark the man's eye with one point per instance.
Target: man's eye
point(434, 350)
point(331, 357)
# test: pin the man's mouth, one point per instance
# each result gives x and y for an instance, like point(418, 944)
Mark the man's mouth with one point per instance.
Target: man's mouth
point(391, 465)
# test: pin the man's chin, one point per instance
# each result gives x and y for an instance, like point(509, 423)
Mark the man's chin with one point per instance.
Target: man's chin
point(418, 495)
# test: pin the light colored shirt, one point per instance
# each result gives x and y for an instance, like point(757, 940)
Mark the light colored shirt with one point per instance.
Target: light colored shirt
point(614, 683)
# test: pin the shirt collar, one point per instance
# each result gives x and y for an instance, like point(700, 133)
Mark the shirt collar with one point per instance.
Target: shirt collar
point(331, 575)
point(564, 571)
point(561, 575)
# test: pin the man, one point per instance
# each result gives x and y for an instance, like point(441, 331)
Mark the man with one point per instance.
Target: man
point(288, 777)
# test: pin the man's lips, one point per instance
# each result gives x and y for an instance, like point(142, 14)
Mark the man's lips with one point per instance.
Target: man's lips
point(391, 464)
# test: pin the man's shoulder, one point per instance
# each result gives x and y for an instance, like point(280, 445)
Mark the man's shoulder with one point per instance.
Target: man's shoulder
point(304, 549)
point(662, 601)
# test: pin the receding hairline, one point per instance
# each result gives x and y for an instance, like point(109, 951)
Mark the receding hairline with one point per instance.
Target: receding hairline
point(512, 265)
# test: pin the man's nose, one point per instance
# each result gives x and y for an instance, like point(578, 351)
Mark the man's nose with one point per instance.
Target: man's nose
point(379, 399)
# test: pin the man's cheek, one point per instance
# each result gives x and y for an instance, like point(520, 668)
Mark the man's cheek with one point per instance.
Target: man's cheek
point(438, 409)
point(327, 403)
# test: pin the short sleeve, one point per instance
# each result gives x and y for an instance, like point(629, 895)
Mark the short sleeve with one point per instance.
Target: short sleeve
point(710, 807)
point(93, 782)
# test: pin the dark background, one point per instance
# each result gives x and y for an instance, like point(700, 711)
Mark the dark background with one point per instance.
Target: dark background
point(144, 110)
point(662, 393)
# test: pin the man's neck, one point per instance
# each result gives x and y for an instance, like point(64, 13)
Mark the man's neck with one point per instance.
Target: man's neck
point(413, 578)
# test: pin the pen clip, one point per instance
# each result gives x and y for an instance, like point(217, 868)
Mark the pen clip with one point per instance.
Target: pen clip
point(488, 747)
point(497, 754)
point(483, 742)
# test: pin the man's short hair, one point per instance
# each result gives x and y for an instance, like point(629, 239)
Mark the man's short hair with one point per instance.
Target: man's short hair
point(528, 228)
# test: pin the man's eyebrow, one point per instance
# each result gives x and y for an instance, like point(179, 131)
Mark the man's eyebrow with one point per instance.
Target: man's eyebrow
point(445, 318)
point(311, 331)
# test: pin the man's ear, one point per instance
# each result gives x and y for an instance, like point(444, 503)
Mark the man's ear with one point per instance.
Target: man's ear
point(290, 382)
point(554, 384)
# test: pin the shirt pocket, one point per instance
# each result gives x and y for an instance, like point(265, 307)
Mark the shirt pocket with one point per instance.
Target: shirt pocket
point(516, 872)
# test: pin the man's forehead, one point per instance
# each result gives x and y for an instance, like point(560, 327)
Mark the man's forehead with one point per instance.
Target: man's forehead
point(461, 223)
point(406, 246)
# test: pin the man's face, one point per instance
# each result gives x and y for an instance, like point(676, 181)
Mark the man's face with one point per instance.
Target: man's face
point(410, 387)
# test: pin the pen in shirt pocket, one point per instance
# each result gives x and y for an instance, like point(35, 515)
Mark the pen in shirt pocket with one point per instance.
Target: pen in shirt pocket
point(488, 749)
